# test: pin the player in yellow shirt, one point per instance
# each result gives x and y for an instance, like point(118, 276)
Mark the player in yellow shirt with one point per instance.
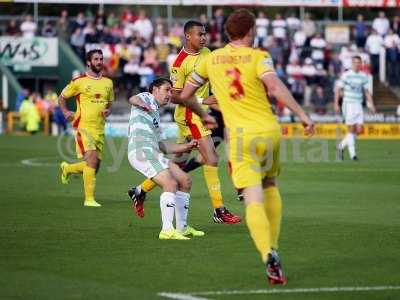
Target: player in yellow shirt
point(242, 79)
point(94, 94)
point(191, 127)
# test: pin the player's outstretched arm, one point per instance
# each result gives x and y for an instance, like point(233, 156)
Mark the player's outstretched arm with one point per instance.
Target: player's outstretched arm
point(69, 115)
point(136, 101)
point(173, 148)
point(211, 101)
point(277, 89)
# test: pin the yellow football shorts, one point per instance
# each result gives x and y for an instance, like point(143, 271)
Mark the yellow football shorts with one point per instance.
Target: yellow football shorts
point(253, 157)
point(89, 139)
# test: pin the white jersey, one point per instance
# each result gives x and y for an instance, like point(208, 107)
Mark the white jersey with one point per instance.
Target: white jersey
point(354, 85)
point(144, 153)
point(144, 127)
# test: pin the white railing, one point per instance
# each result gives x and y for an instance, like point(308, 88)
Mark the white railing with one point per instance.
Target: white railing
point(4, 96)
point(382, 65)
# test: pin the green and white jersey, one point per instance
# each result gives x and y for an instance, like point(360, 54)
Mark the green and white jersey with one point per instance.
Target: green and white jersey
point(354, 85)
point(144, 127)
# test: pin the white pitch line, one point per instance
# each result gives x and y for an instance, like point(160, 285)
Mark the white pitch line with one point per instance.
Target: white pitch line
point(193, 296)
point(180, 296)
point(35, 162)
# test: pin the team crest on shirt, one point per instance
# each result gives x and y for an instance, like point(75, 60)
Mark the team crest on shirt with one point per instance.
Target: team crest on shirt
point(88, 88)
point(172, 77)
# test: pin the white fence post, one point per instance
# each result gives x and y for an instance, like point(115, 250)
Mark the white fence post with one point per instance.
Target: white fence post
point(382, 65)
point(4, 95)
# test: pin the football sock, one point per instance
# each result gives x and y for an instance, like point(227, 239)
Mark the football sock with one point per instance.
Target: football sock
point(182, 200)
point(167, 205)
point(89, 182)
point(75, 168)
point(344, 142)
point(259, 228)
point(147, 185)
point(213, 185)
point(352, 145)
point(273, 209)
point(191, 165)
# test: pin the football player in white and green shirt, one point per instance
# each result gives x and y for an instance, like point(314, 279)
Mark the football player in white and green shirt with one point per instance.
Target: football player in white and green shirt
point(353, 86)
point(146, 154)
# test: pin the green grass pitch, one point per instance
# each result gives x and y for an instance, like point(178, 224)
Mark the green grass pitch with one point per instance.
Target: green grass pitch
point(341, 228)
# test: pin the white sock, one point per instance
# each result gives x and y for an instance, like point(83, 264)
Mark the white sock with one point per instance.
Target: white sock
point(344, 142)
point(167, 205)
point(352, 145)
point(182, 200)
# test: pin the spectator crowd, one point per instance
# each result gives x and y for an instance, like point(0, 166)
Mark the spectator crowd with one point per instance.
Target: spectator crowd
point(33, 107)
point(136, 48)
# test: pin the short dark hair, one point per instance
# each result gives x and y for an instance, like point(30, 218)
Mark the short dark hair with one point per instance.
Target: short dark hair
point(239, 23)
point(159, 82)
point(190, 24)
point(357, 57)
point(91, 53)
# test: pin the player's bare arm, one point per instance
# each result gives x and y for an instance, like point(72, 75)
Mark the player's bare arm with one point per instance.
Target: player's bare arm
point(176, 96)
point(173, 148)
point(277, 89)
point(136, 101)
point(212, 102)
point(338, 92)
point(370, 102)
point(69, 115)
point(188, 99)
point(107, 111)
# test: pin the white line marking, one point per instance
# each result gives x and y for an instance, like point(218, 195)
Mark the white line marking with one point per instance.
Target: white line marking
point(180, 296)
point(192, 296)
point(35, 162)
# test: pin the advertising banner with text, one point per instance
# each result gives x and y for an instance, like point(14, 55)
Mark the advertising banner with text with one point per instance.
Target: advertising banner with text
point(316, 3)
point(309, 3)
point(337, 131)
point(132, 2)
point(41, 52)
point(371, 3)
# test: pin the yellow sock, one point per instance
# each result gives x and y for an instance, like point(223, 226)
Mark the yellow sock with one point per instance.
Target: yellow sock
point(213, 185)
point(273, 209)
point(147, 185)
point(258, 225)
point(89, 182)
point(75, 168)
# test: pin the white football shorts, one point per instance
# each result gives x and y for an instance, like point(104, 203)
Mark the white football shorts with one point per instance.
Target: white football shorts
point(148, 161)
point(353, 113)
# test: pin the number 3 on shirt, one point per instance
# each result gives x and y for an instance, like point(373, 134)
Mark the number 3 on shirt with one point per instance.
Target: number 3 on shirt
point(236, 87)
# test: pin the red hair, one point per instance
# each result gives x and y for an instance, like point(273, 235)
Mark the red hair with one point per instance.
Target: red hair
point(239, 24)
